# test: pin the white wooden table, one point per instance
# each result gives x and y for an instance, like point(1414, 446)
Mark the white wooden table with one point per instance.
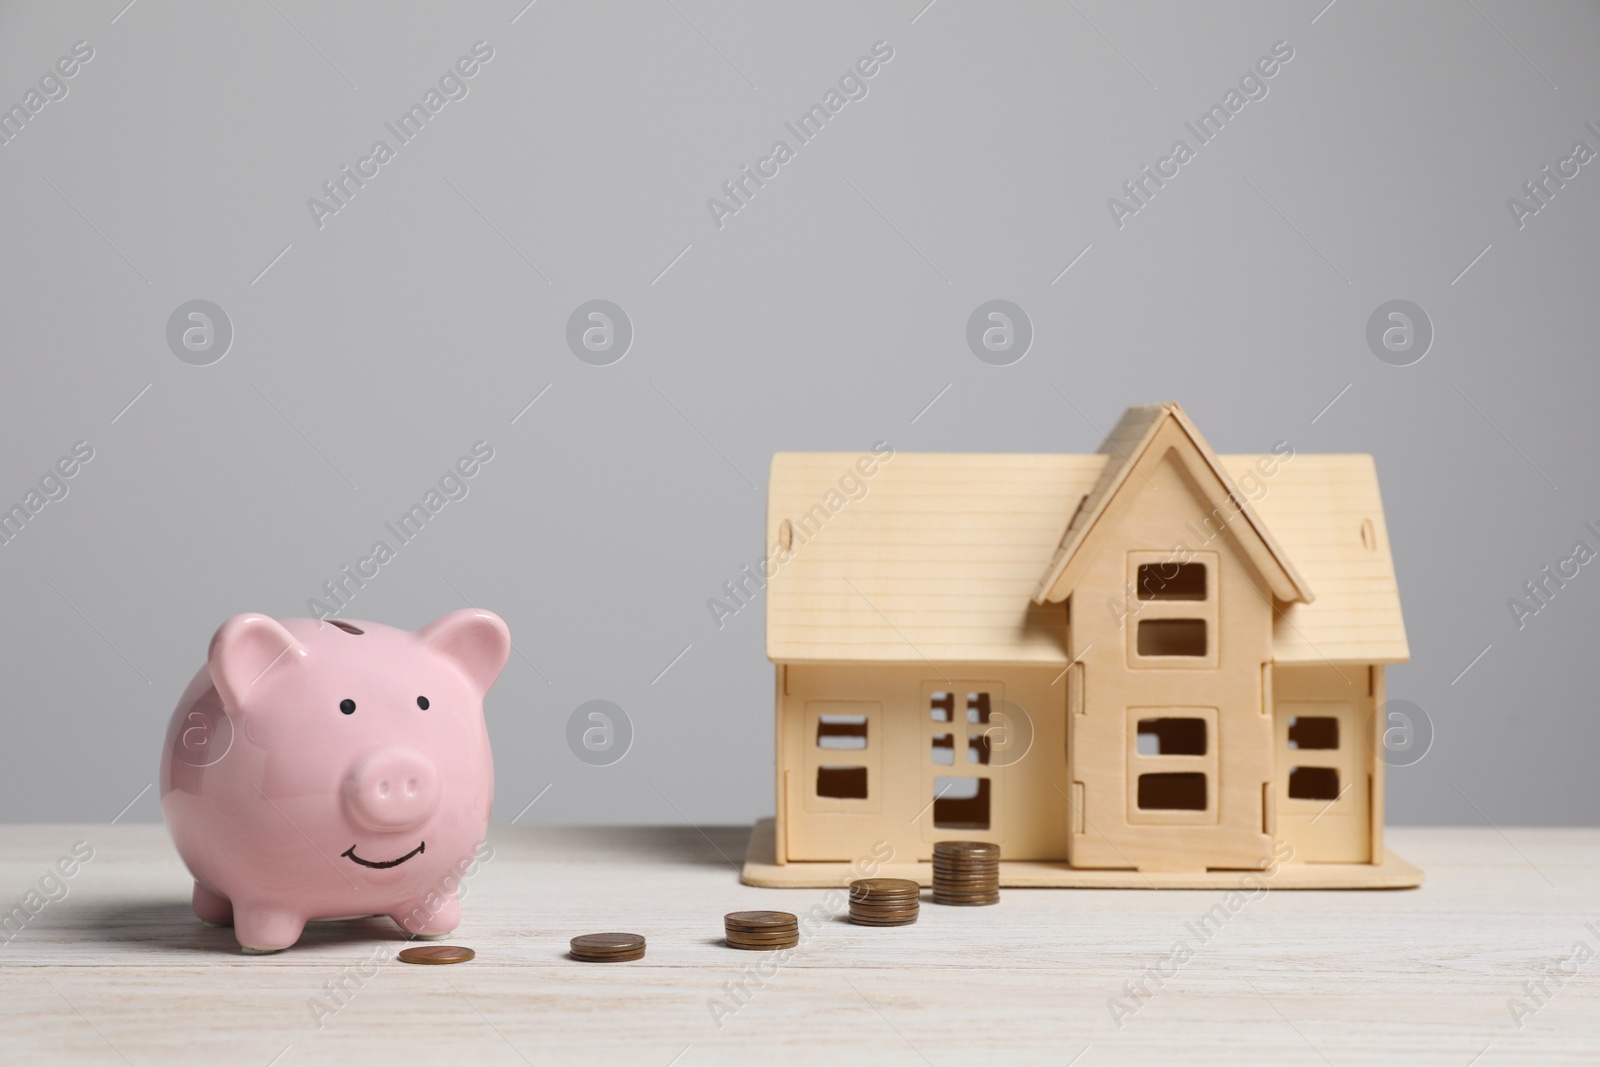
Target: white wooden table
point(118, 970)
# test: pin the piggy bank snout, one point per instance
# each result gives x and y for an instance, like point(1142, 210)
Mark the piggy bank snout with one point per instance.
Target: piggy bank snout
point(392, 789)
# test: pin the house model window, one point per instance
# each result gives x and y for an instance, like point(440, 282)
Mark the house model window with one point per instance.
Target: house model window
point(1312, 734)
point(960, 750)
point(842, 756)
point(1172, 765)
point(1172, 611)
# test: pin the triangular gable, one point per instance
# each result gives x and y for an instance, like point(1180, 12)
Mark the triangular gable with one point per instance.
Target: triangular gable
point(1128, 444)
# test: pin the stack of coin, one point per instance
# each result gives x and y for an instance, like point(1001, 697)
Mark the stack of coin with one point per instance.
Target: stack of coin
point(966, 872)
point(762, 929)
point(884, 901)
point(608, 948)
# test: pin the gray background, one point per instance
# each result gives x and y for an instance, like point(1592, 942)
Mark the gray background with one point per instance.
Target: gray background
point(826, 315)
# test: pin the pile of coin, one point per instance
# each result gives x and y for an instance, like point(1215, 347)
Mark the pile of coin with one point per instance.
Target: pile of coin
point(608, 948)
point(761, 929)
point(966, 872)
point(884, 901)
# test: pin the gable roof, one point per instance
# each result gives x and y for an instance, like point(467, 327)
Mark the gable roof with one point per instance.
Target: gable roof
point(939, 560)
point(1132, 444)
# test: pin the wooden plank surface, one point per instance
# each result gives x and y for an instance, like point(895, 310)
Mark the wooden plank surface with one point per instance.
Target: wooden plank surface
point(118, 971)
point(940, 557)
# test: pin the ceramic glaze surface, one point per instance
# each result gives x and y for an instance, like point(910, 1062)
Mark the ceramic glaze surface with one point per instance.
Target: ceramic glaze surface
point(319, 770)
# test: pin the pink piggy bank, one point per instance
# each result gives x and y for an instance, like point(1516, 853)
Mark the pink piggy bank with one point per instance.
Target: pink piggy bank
point(330, 770)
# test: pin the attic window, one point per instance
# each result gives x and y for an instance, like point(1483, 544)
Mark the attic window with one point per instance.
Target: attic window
point(1172, 581)
point(942, 707)
point(841, 731)
point(978, 707)
point(1172, 637)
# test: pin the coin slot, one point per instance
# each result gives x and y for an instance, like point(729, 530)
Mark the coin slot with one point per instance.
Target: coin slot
point(346, 627)
point(1313, 731)
point(1369, 536)
point(842, 783)
point(961, 803)
point(944, 749)
point(978, 707)
point(942, 707)
point(842, 731)
point(1171, 737)
point(1313, 783)
point(1172, 581)
point(1172, 637)
point(1184, 791)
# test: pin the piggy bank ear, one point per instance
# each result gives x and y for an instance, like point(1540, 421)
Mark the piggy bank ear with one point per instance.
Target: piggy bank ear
point(476, 640)
point(248, 652)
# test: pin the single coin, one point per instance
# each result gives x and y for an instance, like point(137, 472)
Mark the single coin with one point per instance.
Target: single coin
point(760, 919)
point(884, 885)
point(984, 848)
point(623, 958)
point(436, 954)
point(763, 945)
point(607, 946)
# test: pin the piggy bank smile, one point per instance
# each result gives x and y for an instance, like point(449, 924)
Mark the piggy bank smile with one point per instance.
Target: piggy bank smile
point(382, 865)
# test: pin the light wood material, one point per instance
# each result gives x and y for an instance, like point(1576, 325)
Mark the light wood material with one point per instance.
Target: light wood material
point(1027, 750)
point(762, 869)
point(1147, 436)
point(120, 970)
point(945, 551)
point(895, 579)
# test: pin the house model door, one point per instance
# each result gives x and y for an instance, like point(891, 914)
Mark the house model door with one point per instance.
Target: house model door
point(1323, 787)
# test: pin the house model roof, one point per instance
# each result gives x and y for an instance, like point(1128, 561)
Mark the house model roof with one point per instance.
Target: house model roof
point(942, 557)
point(1129, 446)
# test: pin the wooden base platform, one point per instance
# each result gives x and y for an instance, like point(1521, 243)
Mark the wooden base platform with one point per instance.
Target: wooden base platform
point(761, 868)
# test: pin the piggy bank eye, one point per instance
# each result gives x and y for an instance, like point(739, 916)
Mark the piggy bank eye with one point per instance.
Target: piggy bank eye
point(347, 706)
point(422, 702)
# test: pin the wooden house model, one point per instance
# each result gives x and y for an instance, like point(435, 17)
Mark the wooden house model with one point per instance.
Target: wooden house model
point(1150, 666)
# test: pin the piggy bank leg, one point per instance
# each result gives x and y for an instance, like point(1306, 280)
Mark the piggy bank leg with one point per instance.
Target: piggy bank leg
point(431, 918)
point(263, 929)
point(213, 909)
